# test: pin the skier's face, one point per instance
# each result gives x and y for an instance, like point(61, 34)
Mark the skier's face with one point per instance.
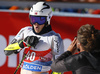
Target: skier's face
point(38, 27)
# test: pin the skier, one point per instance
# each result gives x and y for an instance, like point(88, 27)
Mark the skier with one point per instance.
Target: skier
point(45, 43)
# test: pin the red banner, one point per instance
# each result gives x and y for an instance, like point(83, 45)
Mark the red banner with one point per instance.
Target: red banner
point(12, 22)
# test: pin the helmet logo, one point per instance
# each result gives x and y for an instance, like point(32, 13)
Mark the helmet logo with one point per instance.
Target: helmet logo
point(36, 13)
point(47, 6)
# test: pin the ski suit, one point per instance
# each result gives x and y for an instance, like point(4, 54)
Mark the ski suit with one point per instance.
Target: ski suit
point(39, 59)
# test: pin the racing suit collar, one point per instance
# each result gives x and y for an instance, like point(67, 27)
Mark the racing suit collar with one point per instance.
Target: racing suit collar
point(44, 30)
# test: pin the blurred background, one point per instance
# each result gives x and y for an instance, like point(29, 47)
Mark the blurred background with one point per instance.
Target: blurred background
point(73, 6)
point(68, 16)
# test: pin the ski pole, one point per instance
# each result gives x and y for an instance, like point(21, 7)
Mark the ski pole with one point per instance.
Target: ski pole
point(27, 49)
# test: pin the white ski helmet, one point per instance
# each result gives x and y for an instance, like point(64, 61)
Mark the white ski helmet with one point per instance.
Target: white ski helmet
point(41, 9)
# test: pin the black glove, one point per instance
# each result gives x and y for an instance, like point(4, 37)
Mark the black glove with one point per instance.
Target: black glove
point(20, 42)
point(31, 40)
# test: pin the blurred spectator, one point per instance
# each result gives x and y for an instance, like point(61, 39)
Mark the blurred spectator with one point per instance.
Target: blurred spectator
point(50, 0)
point(4, 7)
point(65, 0)
point(13, 8)
point(85, 10)
point(92, 0)
point(57, 9)
point(52, 9)
point(27, 8)
point(82, 0)
point(96, 11)
point(69, 10)
point(90, 11)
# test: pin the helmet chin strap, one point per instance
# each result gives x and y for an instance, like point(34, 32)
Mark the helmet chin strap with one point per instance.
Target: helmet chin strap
point(46, 24)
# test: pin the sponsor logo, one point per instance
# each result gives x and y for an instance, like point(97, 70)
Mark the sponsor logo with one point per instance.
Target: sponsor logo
point(32, 67)
point(29, 28)
point(57, 45)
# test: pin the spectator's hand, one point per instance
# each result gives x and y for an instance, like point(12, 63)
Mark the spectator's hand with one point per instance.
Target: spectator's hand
point(72, 47)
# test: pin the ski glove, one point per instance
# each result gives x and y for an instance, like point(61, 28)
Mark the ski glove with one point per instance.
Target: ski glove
point(20, 42)
point(31, 41)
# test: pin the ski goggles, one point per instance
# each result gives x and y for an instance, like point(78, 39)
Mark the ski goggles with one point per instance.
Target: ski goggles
point(38, 19)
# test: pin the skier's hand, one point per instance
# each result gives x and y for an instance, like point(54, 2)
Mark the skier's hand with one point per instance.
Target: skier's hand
point(31, 41)
point(20, 42)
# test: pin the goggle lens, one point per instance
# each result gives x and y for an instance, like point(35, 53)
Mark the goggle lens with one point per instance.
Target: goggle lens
point(38, 19)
